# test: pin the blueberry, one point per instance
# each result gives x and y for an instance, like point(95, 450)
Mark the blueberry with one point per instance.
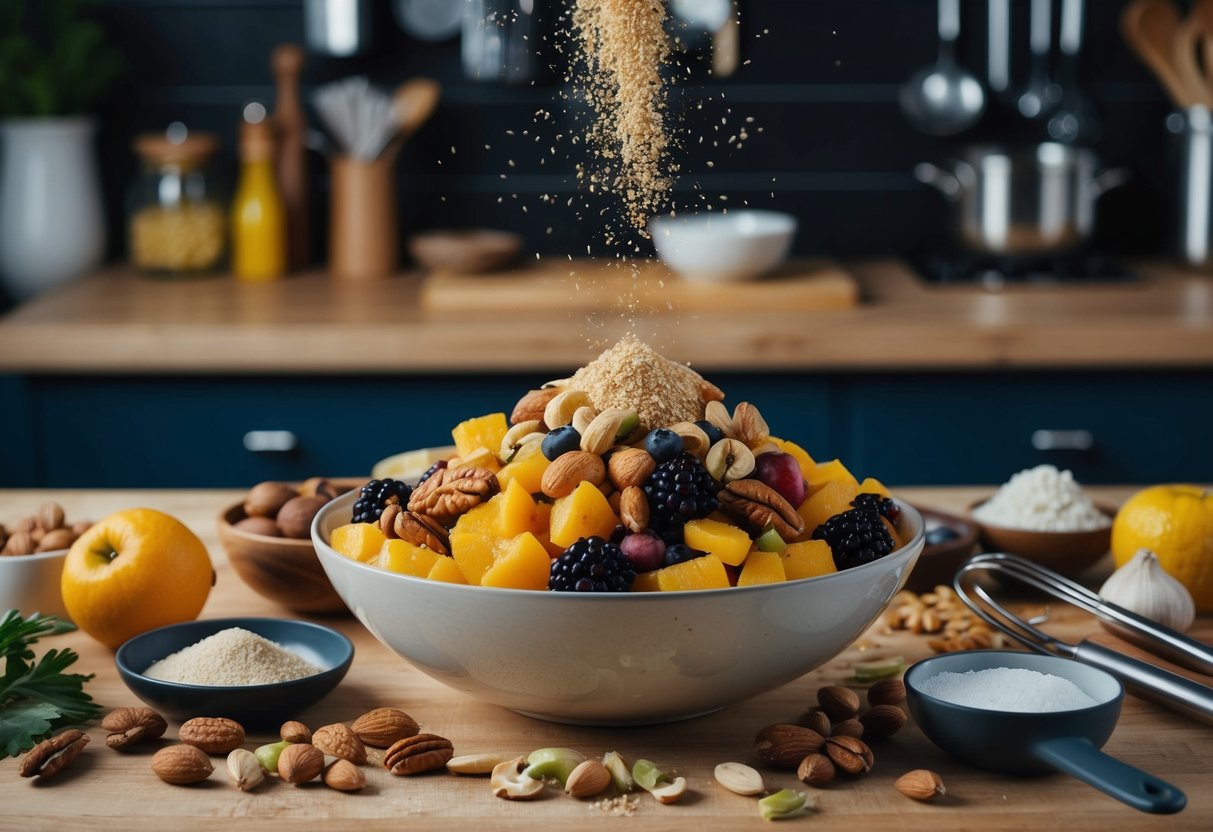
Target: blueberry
point(680, 553)
point(663, 444)
point(561, 441)
point(714, 433)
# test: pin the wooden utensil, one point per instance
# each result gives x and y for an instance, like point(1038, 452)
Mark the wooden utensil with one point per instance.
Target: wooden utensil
point(1186, 51)
point(289, 120)
point(1150, 27)
point(414, 102)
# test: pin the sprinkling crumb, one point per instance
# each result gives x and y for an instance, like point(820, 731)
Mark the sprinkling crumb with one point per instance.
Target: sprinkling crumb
point(620, 806)
point(633, 375)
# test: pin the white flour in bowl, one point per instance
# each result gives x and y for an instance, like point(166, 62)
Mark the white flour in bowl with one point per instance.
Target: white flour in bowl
point(1042, 499)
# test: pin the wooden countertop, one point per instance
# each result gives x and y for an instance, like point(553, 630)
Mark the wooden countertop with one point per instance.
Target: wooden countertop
point(109, 790)
point(116, 322)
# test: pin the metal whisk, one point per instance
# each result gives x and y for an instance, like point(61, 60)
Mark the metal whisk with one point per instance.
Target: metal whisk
point(1146, 680)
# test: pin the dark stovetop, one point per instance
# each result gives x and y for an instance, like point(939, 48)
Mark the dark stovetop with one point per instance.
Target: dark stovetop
point(948, 266)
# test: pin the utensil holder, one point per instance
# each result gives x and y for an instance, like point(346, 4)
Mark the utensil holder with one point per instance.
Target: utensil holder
point(362, 222)
point(1195, 215)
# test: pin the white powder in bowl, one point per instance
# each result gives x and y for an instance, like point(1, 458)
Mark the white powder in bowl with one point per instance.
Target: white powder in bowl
point(232, 657)
point(1042, 499)
point(1007, 689)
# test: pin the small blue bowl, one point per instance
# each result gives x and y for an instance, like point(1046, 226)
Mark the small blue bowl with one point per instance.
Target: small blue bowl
point(251, 705)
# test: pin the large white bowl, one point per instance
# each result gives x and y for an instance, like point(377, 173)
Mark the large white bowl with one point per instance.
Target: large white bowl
point(739, 245)
point(614, 658)
point(30, 583)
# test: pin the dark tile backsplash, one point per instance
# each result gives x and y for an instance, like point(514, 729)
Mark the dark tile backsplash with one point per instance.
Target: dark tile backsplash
point(821, 80)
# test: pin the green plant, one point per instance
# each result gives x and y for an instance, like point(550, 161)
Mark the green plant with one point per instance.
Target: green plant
point(53, 60)
point(37, 696)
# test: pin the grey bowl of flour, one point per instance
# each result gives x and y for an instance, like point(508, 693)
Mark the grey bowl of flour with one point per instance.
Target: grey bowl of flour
point(1024, 713)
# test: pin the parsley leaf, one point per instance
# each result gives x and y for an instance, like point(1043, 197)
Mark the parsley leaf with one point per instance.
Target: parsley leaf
point(37, 696)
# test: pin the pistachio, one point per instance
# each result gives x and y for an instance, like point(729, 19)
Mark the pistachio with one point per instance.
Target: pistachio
point(510, 782)
point(620, 775)
point(268, 755)
point(729, 459)
point(557, 763)
point(601, 433)
point(647, 775)
point(785, 803)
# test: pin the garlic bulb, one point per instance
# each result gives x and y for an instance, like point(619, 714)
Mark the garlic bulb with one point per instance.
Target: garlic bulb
point(1141, 585)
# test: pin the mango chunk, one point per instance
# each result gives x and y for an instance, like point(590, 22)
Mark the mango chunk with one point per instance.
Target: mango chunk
point(871, 485)
point(832, 498)
point(406, 558)
point(832, 471)
point(517, 513)
point(358, 541)
point(723, 540)
point(762, 568)
point(807, 463)
point(584, 513)
point(527, 467)
point(445, 569)
point(481, 432)
point(524, 565)
point(706, 572)
point(807, 559)
point(479, 458)
point(646, 582)
point(475, 542)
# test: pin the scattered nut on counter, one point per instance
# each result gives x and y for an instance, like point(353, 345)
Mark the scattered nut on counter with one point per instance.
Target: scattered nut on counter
point(941, 612)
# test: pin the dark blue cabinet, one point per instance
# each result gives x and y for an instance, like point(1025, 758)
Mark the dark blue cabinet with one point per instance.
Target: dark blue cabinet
point(904, 428)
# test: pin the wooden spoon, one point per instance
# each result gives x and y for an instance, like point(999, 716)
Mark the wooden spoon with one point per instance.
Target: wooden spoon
point(1150, 27)
point(414, 102)
point(1185, 56)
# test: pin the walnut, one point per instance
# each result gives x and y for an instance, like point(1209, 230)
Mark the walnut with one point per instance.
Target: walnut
point(449, 493)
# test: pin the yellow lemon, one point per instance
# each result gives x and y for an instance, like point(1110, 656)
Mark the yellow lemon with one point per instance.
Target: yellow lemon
point(135, 570)
point(1176, 521)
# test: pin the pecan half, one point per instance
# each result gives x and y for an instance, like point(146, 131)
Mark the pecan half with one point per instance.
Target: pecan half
point(417, 754)
point(421, 530)
point(758, 506)
point(449, 493)
point(49, 757)
point(128, 726)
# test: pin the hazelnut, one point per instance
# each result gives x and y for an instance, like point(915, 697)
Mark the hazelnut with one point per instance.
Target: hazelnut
point(295, 517)
point(318, 487)
point(258, 525)
point(20, 543)
point(267, 498)
point(56, 539)
point(50, 516)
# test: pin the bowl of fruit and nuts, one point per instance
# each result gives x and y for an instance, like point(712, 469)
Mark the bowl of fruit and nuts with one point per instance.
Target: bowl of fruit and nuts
point(32, 552)
point(267, 537)
point(607, 555)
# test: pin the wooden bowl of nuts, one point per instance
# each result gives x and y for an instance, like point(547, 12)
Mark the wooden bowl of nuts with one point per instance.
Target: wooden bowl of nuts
point(267, 538)
point(32, 552)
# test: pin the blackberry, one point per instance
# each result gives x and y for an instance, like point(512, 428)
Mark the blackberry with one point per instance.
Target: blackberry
point(679, 490)
point(377, 495)
point(591, 565)
point(856, 537)
point(433, 469)
point(882, 505)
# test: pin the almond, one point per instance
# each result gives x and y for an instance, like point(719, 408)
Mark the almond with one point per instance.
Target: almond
point(850, 755)
point(920, 784)
point(883, 720)
point(816, 770)
point(588, 779)
point(630, 466)
point(634, 509)
point(181, 765)
point(56, 539)
point(383, 726)
point(337, 740)
point(531, 405)
point(300, 763)
point(344, 776)
point(887, 692)
point(848, 728)
point(569, 470)
point(838, 702)
point(214, 735)
point(784, 745)
point(816, 719)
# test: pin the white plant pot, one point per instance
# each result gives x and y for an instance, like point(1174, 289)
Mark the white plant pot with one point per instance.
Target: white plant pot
point(52, 225)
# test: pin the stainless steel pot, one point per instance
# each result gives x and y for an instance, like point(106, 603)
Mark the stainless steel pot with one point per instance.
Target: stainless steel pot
point(1036, 200)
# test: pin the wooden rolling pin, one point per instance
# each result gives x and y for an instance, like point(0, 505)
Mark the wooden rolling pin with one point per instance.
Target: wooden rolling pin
point(286, 62)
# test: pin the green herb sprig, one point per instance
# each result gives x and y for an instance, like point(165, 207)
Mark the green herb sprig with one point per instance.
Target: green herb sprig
point(36, 697)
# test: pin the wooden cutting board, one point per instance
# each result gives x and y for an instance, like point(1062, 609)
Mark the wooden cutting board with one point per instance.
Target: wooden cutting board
point(644, 287)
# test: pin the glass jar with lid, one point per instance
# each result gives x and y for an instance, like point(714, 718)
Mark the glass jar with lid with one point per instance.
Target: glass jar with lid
point(178, 222)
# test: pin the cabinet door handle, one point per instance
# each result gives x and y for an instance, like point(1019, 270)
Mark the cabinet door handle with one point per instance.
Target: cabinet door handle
point(270, 441)
point(1063, 440)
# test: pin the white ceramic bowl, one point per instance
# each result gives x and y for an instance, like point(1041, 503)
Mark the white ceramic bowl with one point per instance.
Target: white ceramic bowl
point(614, 659)
point(739, 245)
point(30, 583)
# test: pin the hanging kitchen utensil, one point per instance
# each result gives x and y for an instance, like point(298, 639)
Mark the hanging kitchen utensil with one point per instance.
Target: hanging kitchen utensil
point(1145, 680)
point(1041, 95)
point(412, 104)
point(1185, 55)
point(998, 46)
point(429, 20)
point(945, 98)
point(1149, 27)
point(1075, 120)
point(340, 28)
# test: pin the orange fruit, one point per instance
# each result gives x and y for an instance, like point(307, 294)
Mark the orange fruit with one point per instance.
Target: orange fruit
point(1176, 522)
point(135, 570)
